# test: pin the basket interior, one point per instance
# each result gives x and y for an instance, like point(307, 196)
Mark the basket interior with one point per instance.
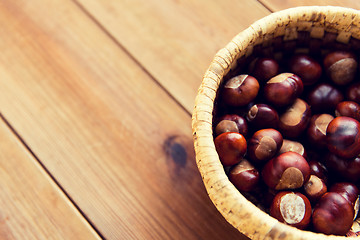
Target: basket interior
point(314, 30)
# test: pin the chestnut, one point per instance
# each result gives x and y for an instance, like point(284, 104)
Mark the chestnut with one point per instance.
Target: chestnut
point(295, 119)
point(292, 146)
point(231, 147)
point(343, 169)
point(262, 116)
point(353, 92)
point(318, 169)
point(226, 126)
point(244, 176)
point(323, 98)
point(264, 68)
point(348, 190)
point(340, 66)
point(307, 68)
point(314, 188)
point(292, 208)
point(333, 214)
point(289, 170)
point(240, 90)
point(343, 137)
point(264, 145)
point(283, 89)
point(316, 131)
point(348, 109)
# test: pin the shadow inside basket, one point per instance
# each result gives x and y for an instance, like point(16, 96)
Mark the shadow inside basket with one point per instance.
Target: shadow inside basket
point(282, 50)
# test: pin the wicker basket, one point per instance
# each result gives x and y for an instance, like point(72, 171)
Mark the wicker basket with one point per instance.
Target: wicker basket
point(343, 24)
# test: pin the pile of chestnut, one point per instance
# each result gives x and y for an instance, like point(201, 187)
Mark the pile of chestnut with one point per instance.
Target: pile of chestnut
point(288, 135)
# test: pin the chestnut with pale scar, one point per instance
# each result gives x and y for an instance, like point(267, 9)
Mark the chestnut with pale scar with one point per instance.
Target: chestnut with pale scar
point(287, 171)
point(300, 158)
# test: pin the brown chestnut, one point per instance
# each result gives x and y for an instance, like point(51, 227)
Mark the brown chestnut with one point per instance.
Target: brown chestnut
point(226, 124)
point(316, 131)
point(353, 92)
point(287, 171)
point(340, 66)
point(292, 146)
point(262, 116)
point(343, 137)
point(264, 68)
point(231, 147)
point(295, 119)
point(240, 90)
point(324, 98)
point(264, 145)
point(315, 188)
point(292, 208)
point(307, 68)
point(348, 109)
point(244, 176)
point(333, 214)
point(348, 190)
point(283, 89)
point(318, 169)
point(343, 169)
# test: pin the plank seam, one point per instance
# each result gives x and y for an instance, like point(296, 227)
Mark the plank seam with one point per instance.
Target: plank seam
point(265, 6)
point(132, 57)
point(27, 147)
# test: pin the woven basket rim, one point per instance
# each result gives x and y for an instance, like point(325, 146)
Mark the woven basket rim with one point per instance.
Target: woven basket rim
point(235, 208)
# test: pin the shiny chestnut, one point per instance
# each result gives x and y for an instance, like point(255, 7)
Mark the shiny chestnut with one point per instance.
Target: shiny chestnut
point(319, 169)
point(307, 68)
point(353, 92)
point(323, 98)
point(240, 90)
point(289, 170)
point(315, 188)
point(340, 66)
point(264, 144)
point(264, 68)
point(348, 109)
point(348, 190)
point(292, 208)
point(262, 116)
point(292, 146)
point(226, 126)
point(343, 169)
point(232, 123)
point(283, 89)
point(231, 147)
point(244, 176)
point(343, 137)
point(333, 214)
point(295, 119)
point(316, 131)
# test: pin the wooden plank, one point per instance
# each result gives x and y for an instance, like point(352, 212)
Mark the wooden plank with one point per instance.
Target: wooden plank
point(175, 40)
point(116, 142)
point(276, 5)
point(32, 205)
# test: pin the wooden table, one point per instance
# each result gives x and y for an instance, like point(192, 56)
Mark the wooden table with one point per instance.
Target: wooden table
point(95, 109)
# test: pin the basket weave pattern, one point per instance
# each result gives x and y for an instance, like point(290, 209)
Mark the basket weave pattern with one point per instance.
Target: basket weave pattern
point(344, 24)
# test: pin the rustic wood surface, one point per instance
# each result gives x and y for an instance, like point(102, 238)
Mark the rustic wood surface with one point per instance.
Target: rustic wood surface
point(95, 109)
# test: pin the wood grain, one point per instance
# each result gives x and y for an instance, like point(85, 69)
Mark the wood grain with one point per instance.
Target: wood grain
point(116, 142)
point(175, 41)
point(276, 5)
point(32, 206)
